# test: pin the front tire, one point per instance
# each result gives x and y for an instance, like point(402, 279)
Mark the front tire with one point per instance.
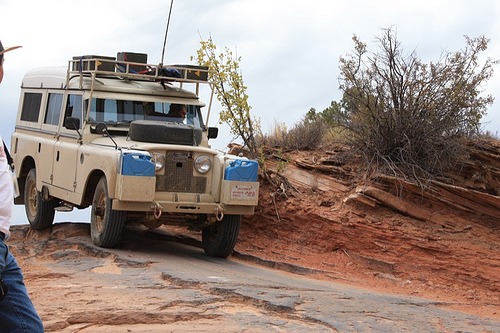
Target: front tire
point(106, 224)
point(40, 213)
point(219, 239)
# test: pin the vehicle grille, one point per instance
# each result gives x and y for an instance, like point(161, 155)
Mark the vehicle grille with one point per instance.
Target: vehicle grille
point(178, 175)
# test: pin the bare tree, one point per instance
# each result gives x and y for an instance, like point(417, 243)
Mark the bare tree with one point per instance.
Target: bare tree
point(408, 117)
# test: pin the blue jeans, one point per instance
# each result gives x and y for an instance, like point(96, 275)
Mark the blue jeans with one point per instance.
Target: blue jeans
point(17, 313)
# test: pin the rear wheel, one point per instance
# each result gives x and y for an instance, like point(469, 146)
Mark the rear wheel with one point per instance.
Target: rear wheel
point(106, 224)
point(219, 239)
point(40, 213)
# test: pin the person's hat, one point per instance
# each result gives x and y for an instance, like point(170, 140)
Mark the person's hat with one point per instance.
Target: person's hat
point(7, 49)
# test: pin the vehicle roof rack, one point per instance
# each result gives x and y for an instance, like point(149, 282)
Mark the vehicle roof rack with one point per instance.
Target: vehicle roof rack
point(99, 66)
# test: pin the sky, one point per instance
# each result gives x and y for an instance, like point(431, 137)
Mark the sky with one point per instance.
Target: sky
point(289, 50)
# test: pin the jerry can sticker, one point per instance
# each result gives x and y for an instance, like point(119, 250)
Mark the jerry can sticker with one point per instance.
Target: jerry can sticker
point(244, 192)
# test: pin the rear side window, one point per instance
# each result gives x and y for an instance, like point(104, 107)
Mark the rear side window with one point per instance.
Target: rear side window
point(31, 107)
point(53, 109)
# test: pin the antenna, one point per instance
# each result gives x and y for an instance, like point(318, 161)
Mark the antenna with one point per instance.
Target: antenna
point(166, 33)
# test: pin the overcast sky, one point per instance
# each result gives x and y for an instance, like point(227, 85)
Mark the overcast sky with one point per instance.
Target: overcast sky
point(289, 49)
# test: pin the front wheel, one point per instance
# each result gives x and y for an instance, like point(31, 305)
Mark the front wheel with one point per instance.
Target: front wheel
point(40, 213)
point(219, 239)
point(106, 224)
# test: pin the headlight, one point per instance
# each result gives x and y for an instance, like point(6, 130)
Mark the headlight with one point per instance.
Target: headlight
point(158, 159)
point(202, 164)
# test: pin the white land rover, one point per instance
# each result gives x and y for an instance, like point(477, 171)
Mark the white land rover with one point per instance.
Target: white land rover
point(99, 133)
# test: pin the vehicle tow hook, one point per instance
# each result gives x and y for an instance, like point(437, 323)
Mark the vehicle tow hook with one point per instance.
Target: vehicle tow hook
point(219, 214)
point(157, 211)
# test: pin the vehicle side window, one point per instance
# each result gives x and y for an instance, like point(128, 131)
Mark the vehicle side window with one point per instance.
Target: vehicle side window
point(53, 109)
point(74, 107)
point(31, 107)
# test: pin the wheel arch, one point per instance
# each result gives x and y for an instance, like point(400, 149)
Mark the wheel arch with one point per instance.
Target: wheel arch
point(90, 186)
point(27, 164)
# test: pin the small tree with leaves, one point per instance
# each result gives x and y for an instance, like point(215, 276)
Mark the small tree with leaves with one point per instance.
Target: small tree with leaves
point(329, 116)
point(408, 117)
point(231, 92)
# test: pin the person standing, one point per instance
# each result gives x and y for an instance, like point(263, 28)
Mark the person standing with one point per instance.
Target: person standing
point(17, 313)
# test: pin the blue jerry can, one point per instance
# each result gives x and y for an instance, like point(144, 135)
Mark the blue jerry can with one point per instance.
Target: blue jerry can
point(137, 165)
point(242, 170)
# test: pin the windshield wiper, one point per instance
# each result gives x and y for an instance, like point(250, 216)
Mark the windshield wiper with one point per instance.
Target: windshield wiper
point(124, 122)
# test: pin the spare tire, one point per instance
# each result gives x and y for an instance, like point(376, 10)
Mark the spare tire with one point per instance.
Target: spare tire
point(165, 132)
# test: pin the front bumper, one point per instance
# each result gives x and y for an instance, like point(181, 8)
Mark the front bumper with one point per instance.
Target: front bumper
point(183, 207)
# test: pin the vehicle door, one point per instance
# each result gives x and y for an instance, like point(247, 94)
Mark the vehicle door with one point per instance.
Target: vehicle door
point(66, 147)
point(48, 136)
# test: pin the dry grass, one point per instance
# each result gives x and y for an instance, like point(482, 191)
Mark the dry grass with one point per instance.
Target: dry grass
point(305, 135)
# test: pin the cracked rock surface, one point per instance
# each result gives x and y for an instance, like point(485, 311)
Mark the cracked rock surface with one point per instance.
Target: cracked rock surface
point(156, 283)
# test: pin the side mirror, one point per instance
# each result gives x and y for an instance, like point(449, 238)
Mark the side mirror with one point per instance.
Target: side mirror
point(213, 132)
point(101, 128)
point(72, 123)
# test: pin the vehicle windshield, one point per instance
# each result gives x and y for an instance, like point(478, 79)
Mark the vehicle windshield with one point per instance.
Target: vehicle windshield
point(113, 111)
